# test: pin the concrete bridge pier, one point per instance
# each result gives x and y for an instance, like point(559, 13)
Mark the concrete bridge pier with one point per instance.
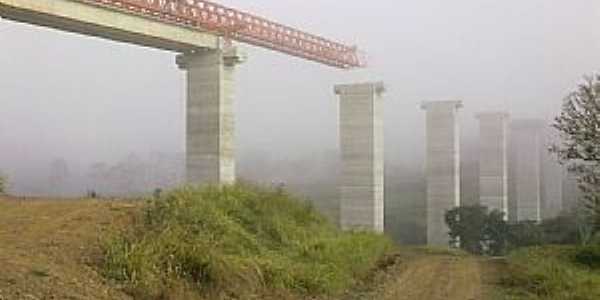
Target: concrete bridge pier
point(442, 167)
point(361, 147)
point(526, 144)
point(210, 153)
point(493, 167)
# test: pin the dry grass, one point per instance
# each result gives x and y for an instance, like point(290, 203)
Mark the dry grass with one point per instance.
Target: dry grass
point(48, 248)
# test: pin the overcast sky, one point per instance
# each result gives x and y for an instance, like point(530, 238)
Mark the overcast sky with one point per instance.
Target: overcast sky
point(88, 100)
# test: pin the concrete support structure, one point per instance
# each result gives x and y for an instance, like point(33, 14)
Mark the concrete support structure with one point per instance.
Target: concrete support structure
point(78, 17)
point(493, 167)
point(525, 192)
point(552, 177)
point(210, 156)
point(361, 147)
point(442, 166)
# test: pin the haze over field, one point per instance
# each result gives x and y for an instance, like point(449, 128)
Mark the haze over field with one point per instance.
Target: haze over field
point(89, 100)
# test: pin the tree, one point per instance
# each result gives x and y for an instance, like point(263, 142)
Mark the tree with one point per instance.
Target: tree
point(496, 233)
point(579, 127)
point(476, 230)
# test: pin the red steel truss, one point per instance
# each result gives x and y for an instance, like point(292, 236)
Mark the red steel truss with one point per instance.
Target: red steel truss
point(242, 27)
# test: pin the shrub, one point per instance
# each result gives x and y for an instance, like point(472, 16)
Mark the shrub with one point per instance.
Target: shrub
point(237, 242)
point(525, 234)
point(2, 185)
point(588, 256)
point(476, 230)
point(548, 273)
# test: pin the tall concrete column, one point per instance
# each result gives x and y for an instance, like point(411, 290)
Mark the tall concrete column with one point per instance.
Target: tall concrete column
point(210, 156)
point(493, 166)
point(361, 146)
point(526, 148)
point(442, 167)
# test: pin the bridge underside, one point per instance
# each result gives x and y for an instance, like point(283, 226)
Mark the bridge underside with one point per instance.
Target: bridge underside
point(106, 23)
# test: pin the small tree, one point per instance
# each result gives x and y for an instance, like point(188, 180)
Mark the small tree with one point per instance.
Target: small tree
point(579, 126)
point(476, 230)
point(496, 233)
point(466, 225)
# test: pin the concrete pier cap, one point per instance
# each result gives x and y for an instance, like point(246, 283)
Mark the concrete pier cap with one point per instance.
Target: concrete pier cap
point(377, 87)
point(230, 56)
point(441, 104)
point(498, 115)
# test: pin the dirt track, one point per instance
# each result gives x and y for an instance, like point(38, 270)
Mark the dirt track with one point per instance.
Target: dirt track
point(419, 274)
point(48, 250)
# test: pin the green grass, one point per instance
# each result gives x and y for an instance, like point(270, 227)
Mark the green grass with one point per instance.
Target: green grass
point(549, 273)
point(237, 242)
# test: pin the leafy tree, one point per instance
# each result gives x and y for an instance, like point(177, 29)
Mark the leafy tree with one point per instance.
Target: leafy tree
point(579, 126)
point(476, 230)
point(496, 233)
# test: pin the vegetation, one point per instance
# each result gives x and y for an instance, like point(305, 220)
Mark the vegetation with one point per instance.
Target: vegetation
point(551, 272)
point(487, 233)
point(237, 242)
point(476, 230)
point(579, 126)
point(2, 185)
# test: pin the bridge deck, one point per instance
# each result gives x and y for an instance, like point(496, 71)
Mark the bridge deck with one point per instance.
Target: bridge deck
point(110, 24)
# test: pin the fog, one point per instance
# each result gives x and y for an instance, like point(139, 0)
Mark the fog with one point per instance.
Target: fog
point(88, 100)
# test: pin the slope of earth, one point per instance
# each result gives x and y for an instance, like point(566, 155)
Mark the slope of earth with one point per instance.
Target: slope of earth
point(48, 248)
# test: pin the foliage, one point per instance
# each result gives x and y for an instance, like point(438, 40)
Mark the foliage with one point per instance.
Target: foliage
point(561, 230)
point(548, 273)
point(483, 232)
point(579, 126)
point(476, 230)
point(589, 256)
point(237, 242)
point(525, 234)
point(2, 185)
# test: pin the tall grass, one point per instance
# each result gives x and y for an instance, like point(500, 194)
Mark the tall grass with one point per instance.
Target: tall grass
point(549, 273)
point(237, 242)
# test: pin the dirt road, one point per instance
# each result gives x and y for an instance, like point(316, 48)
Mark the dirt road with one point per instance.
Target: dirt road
point(434, 275)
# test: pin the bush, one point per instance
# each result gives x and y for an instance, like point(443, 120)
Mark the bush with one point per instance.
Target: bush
point(588, 256)
point(476, 230)
point(237, 242)
point(525, 234)
point(548, 273)
point(2, 185)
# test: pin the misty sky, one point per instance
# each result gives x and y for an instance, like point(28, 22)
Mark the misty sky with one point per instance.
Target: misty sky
point(88, 100)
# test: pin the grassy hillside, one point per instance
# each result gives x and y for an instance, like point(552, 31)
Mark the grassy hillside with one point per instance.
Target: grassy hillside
point(552, 272)
point(237, 242)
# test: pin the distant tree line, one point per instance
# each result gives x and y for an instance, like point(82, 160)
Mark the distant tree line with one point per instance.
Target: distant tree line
point(479, 231)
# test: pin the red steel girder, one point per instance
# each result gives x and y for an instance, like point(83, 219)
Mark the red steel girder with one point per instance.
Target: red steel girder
point(242, 27)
